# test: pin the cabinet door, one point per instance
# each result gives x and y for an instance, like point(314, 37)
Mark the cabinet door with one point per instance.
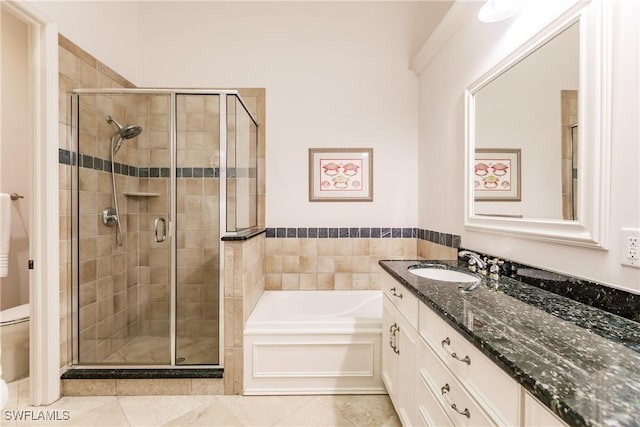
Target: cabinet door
point(389, 355)
point(537, 414)
point(406, 346)
point(398, 361)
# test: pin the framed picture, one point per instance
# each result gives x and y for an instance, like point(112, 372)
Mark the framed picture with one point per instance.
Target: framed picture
point(496, 175)
point(340, 174)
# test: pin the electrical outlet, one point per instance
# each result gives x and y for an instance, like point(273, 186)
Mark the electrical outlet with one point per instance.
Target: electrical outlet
point(630, 238)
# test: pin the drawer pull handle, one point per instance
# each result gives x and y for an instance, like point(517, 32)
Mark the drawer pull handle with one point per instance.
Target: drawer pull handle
point(395, 346)
point(466, 412)
point(446, 389)
point(392, 338)
point(393, 292)
point(446, 341)
point(465, 360)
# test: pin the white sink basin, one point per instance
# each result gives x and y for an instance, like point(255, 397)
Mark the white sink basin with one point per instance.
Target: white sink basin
point(444, 275)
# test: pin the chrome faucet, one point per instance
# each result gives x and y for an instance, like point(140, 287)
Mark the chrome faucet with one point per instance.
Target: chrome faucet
point(474, 260)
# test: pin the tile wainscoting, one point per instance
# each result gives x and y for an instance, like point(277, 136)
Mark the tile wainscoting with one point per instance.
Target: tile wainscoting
point(345, 258)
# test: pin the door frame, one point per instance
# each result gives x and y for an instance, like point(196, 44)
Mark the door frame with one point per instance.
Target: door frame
point(44, 278)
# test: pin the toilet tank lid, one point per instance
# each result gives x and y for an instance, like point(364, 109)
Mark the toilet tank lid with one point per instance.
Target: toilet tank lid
point(10, 315)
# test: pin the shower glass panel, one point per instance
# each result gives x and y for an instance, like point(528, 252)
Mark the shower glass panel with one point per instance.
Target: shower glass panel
point(122, 151)
point(147, 198)
point(242, 166)
point(198, 224)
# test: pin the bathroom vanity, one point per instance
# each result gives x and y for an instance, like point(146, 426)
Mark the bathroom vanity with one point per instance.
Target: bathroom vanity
point(504, 353)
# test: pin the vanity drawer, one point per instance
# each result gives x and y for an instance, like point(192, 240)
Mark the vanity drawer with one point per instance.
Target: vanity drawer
point(497, 392)
point(429, 412)
point(400, 296)
point(454, 402)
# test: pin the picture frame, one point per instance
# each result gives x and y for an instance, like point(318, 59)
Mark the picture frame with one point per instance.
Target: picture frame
point(340, 174)
point(496, 175)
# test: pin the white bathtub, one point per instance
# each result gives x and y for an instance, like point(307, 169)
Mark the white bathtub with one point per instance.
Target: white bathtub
point(314, 342)
point(14, 339)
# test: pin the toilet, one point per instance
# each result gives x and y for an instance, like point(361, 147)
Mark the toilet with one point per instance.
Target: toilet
point(14, 339)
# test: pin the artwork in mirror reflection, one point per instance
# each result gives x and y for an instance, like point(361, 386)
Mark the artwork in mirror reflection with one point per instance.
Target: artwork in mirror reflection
point(496, 175)
point(531, 109)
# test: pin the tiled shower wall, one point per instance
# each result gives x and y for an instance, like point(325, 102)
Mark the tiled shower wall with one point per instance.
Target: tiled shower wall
point(102, 268)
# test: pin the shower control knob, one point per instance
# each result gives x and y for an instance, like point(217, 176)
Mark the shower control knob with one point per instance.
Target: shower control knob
point(109, 217)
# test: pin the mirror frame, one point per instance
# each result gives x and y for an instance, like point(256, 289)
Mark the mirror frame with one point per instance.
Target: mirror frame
point(594, 120)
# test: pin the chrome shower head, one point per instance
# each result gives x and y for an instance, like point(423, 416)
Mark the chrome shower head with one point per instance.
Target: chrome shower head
point(124, 132)
point(130, 131)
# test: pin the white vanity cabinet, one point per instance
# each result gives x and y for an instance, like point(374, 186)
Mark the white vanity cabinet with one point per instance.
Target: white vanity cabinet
point(399, 348)
point(446, 400)
point(435, 376)
point(462, 376)
point(536, 414)
point(496, 392)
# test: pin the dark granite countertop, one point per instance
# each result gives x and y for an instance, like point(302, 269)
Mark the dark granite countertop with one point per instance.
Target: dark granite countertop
point(243, 235)
point(581, 362)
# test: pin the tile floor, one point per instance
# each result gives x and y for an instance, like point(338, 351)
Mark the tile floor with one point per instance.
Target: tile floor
point(153, 411)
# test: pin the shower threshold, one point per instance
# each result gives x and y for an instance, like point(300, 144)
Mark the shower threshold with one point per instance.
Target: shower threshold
point(182, 372)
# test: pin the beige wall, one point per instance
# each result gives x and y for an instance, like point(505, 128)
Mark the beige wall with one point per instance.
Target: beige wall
point(14, 155)
point(107, 29)
point(341, 81)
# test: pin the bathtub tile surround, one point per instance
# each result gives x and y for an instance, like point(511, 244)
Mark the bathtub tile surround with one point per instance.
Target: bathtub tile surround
point(244, 275)
point(553, 346)
point(346, 258)
point(615, 301)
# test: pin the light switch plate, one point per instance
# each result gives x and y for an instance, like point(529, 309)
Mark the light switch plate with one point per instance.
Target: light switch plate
point(630, 247)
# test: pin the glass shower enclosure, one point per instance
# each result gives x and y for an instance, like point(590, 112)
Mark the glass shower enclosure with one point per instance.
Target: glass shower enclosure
point(158, 175)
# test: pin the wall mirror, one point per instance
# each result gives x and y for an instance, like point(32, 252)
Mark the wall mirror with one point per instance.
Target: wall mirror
point(537, 135)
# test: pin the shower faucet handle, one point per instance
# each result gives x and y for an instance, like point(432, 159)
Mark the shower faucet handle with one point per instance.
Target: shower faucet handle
point(109, 217)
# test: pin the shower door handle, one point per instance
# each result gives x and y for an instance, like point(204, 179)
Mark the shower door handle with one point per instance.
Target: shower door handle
point(161, 229)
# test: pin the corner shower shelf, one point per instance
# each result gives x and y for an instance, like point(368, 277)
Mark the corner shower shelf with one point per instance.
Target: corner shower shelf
point(140, 194)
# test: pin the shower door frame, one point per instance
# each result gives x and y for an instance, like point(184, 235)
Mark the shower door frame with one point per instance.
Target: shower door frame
point(173, 93)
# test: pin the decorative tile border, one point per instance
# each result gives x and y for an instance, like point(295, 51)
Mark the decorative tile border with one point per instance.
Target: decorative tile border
point(445, 239)
point(67, 157)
